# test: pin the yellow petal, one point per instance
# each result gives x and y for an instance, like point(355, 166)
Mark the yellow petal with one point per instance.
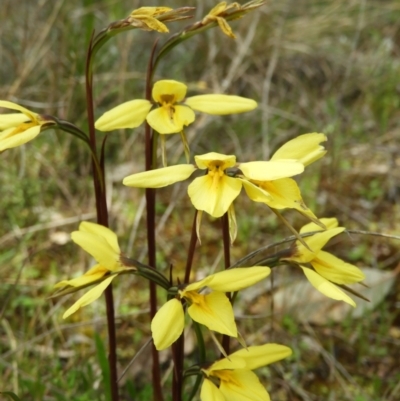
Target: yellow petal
point(95, 273)
point(226, 29)
point(218, 9)
point(232, 279)
point(256, 193)
point(336, 270)
point(164, 122)
point(305, 148)
point(127, 115)
point(174, 90)
point(168, 324)
point(210, 159)
point(286, 194)
point(232, 363)
point(315, 243)
point(12, 120)
point(150, 11)
point(149, 23)
point(102, 231)
point(89, 297)
point(13, 106)
point(214, 196)
point(18, 139)
point(327, 222)
point(210, 392)
point(272, 170)
point(221, 104)
point(99, 248)
point(243, 385)
point(213, 311)
point(232, 223)
point(326, 287)
point(262, 355)
point(161, 177)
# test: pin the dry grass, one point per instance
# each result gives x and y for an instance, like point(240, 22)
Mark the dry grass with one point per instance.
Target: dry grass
point(325, 66)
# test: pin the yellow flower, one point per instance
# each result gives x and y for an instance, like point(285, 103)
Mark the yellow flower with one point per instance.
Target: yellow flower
point(234, 377)
point(146, 18)
point(217, 14)
point(19, 128)
point(173, 112)
point(213, 309)
point(223, 11)
point(102, 244)
point(328, 269)
point(215, 191)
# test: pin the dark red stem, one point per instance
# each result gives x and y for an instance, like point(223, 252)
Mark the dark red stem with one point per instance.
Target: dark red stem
point(102, 218)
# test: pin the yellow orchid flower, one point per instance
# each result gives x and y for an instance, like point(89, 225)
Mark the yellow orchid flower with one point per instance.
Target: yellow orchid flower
point(102, 244)
point(234, 377)
point(328, 269)
point(173, 112)
point(215, 192)
point(146, 18)
point(213, 309)
point(19, 128)
point(217, 14)
point(223, 11)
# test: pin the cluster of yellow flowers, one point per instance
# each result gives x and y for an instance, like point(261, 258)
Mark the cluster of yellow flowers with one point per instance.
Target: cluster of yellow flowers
point(268, 182)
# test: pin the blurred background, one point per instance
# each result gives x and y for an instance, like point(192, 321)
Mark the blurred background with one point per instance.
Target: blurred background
point(313, 66)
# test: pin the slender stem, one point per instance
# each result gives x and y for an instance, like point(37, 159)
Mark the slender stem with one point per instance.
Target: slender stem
point(150, 162)
point(227, 260)
point(102, 218)
point(192, 247)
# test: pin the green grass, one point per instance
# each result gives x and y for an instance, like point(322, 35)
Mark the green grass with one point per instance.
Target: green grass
point(337, 70)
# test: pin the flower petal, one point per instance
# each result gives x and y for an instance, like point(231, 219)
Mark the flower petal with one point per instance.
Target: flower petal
point(14, 106)
point(243, 385)
point(272, 170)
point(210, 392)
point(315, 243)
point(102, 231)
point(208, 159)
point(19, 138)
point(168, 87)
point(286, 194)
point(214, 196)
point(255, 193)
point(161, 177)
point(213, 311)
point(221, 104)
point(336, 270)
point(12, 120)
point(262, 355)
point(127, 115)
point(164, 122)
point(305, 148)
point(99, 248)
point(232, 279)
point(326, 287)
point(95, 273)
point(89, 297)
point(168, 324)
